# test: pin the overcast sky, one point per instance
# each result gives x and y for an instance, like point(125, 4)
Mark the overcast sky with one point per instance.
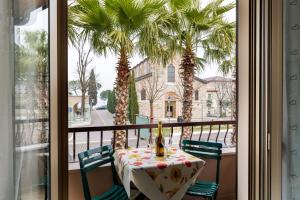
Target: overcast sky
point(105, 66)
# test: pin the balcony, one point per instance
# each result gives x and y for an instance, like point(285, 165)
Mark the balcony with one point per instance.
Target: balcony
point(83, 138)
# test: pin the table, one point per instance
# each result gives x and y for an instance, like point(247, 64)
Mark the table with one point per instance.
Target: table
point(161, 178)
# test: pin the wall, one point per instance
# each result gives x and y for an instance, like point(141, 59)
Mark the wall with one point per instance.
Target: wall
point(101, 179)
point(174, 90)
point(6, 142)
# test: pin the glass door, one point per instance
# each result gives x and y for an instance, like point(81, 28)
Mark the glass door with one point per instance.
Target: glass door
point(30, 57)
point(291, 101)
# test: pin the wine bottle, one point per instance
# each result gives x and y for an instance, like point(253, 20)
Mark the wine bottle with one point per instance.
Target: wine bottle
point(160, 151)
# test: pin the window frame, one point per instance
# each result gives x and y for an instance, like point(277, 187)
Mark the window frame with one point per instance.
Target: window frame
point(58, 88)
point(173, 73)
point(196, 95)
point(143, 94)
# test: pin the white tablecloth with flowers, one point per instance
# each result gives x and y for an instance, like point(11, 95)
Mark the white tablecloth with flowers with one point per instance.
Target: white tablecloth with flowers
point(159, 178)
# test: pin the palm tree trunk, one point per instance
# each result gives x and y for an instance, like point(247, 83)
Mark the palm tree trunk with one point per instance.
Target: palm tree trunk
point(122, 83)
point(187, 75)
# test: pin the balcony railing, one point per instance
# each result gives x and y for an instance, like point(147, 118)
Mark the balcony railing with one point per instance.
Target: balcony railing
point(84, 138)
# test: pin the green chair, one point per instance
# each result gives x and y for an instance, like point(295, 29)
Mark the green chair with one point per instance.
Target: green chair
point(208, 150)
point(90, 160)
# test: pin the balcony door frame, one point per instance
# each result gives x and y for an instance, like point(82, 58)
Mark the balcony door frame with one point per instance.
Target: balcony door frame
point(59, 99)
point(265, 99)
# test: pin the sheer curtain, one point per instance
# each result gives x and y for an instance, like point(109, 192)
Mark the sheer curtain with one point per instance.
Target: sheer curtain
point(291, 115)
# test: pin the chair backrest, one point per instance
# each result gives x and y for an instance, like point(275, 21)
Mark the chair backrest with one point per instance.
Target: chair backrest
point(91, 159)
point(208, 150)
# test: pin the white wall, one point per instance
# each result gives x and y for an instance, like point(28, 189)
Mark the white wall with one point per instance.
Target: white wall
point(243, 99)
point(6, 134)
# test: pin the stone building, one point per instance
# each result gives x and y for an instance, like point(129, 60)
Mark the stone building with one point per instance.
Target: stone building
point(163, 86)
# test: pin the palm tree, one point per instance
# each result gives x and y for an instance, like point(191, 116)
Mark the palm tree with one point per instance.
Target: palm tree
point(115, 26)
point(203, 28)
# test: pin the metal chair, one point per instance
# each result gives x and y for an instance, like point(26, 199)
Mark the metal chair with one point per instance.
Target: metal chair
point(208, 150)
point(90, 160)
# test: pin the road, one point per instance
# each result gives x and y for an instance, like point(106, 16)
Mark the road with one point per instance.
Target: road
point(102, 118)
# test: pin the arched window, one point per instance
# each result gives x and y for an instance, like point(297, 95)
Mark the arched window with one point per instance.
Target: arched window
point(171, 73)
point(143, 94)
point(196, 95)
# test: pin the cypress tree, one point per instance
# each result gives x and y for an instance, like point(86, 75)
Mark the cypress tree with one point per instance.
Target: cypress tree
point(92, 88)
point(133, 106)
point(114, 101)
point(108, 103)
point(111, 101)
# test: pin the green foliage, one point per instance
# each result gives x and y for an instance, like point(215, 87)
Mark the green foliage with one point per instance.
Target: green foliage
point(104, 94)
point(112, 25)
point(74, 87)
point(92, 88)
point(189, 26)
point(111, 101)
point(32, 56)
point(133, 106)
point(31, 69)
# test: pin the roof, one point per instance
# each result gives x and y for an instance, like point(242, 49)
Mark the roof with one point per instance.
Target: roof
point(200, 79)
point(217, 79)
point(140, 63)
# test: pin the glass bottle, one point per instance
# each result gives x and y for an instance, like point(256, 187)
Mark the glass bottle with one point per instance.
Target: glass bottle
point(160, 151)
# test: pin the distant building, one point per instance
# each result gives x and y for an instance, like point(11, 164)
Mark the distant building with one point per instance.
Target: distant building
point(220, 96)
point(150, 76)
point(74, 111)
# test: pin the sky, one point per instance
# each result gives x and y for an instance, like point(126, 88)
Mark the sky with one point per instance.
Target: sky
point(105, 66)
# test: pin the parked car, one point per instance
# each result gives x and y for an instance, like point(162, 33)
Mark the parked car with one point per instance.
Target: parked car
point(101, 107)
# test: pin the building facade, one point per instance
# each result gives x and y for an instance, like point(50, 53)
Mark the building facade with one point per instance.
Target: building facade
point(161, 87)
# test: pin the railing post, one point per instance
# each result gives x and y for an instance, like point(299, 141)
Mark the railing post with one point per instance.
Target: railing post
point(201, 132)
point(88, 140)
point(114, 139)
point(138, 139)
point(126, 144)
point(226, 134)
point(181, 137)
point(209, 133)
point(74, 146)
point(101, 139)
point(218, 133)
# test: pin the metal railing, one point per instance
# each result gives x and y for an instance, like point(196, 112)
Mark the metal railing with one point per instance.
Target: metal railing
point(217, 131)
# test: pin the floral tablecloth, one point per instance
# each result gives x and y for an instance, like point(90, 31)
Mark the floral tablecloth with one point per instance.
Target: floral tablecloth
point(159, 178)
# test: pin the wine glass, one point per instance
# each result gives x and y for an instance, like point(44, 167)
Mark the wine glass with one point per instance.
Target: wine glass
point(168, 142)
